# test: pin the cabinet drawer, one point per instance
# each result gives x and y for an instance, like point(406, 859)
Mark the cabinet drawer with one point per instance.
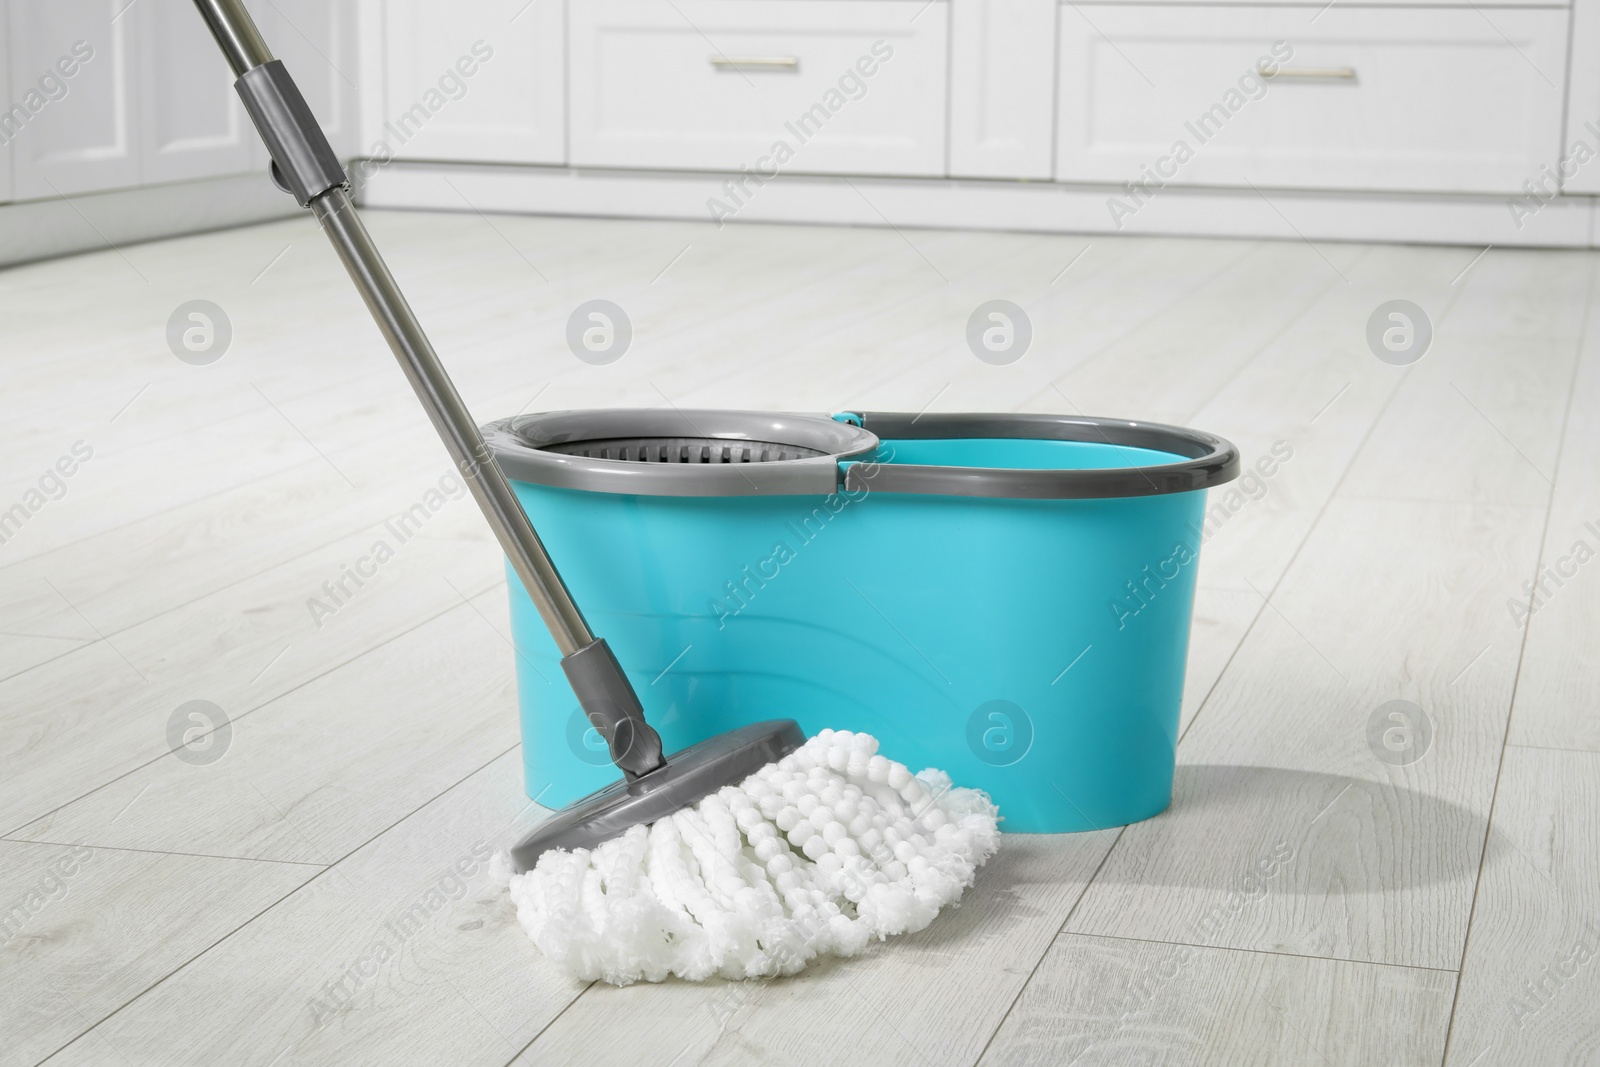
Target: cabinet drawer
point(1435, 99)
point(844, 86)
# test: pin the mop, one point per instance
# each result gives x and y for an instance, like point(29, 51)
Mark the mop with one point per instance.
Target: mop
point(747, 854)
point(829, 848)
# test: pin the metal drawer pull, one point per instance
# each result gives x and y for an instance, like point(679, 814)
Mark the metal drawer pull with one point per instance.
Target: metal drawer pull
point(736, 63)
point(1343, 74)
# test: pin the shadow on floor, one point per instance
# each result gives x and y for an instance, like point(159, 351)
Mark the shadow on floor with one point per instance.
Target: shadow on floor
point(1231, 828)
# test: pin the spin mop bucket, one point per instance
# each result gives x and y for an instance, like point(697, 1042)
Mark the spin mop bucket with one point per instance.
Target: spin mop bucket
point(1006, 597)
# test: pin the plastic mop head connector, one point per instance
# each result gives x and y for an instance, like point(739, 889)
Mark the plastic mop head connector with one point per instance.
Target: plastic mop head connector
point(828, 848)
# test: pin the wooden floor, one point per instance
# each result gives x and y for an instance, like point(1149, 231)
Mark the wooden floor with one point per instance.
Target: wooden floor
point(1303, 901)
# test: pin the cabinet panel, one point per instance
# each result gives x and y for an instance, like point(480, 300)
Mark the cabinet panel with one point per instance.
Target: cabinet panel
point(6, 133)
point(1433, 99)
point(192, 124)
point(1002, 88)
point(483, 80)
point(1580, 171)
point(843, 86)
point(72, 117)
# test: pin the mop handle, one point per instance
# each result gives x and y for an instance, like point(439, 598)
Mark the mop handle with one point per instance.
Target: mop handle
point(305, 165)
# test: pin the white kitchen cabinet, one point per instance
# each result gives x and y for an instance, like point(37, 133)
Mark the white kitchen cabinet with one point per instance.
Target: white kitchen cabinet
point(107, 94)
point(1450, 100)
point(73, 86)
point(1582, 169)
point(480, 81)
point(1002, 88)
point(192, 124)
point(774, 86)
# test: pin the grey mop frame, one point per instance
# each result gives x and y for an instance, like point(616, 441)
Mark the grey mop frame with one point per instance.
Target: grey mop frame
point(305, 165)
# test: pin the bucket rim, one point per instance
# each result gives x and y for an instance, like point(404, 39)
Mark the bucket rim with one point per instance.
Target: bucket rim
point(1208, 460)
point(845, 444)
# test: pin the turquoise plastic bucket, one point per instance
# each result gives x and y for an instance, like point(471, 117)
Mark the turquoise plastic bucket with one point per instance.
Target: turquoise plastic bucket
point(942, 594)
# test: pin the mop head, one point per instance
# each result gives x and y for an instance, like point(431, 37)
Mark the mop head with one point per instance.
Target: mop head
point(814, 855)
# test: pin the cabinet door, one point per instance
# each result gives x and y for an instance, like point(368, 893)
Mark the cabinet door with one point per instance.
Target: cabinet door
point(192, 124)
point(480, 80)
point(1428, 99)
point(776, 86)
point(1002, 88)
point(72, 118)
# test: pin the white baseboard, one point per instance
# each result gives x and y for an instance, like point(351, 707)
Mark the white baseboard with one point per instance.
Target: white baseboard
point(40, 229)
point(1566, 222)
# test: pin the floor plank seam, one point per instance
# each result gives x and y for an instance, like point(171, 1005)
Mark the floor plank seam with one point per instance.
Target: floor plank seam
point(20, 560)
point(1050, 382)
point(1261, 349)
point(266, 703)
point(1462, 501)
point(1583, 351)
point(214, 590)
point(191, 428)
point(1023, 988)
point(325, 870)
point(1322, 511)
point(1554, 748)
point(1270, 952)
point(352, 380)
point(1288, 565)
point(433, 800)
point(553, 1020)
point(164, 852)
point(822, 284)
point(120, 1007)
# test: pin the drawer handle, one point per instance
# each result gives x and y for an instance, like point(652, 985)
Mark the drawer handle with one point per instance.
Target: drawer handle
point(790, 64)
point(1342, 74)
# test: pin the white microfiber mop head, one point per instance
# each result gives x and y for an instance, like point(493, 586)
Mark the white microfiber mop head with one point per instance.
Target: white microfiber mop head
point(816, 854)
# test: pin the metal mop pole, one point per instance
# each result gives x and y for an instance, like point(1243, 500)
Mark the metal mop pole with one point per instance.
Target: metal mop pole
point(305, 165)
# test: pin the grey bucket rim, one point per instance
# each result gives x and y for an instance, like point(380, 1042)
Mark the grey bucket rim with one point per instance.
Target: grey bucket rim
point(846, 439)
point(1209, 460)
point(518, 444)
